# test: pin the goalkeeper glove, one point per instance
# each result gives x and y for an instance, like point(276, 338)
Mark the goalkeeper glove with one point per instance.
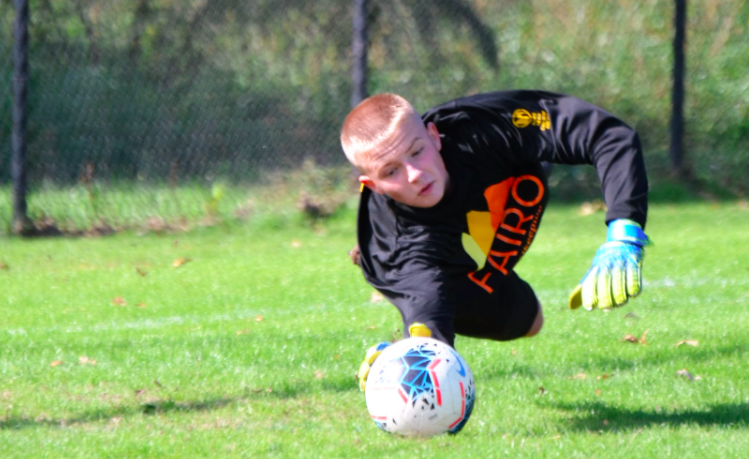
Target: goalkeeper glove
point(414, 330)
point(372, 354)
point(616, 271)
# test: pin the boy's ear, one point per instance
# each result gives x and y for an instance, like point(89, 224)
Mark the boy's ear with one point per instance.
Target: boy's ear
point(434, 135)
point(367, 182)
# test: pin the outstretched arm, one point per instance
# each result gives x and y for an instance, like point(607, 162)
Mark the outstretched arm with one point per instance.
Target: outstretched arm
point(540, 126)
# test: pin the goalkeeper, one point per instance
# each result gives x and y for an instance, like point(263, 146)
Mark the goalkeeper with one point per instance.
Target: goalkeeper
point(452, 199)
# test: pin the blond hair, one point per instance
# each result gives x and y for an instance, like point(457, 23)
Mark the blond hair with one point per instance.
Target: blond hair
point(373, 122)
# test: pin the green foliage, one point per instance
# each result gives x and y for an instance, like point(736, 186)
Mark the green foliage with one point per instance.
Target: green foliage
point(193, 91)
point(249, 349)
point(307, 193)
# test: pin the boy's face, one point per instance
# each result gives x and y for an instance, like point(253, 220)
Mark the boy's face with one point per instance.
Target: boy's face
point(409, 167)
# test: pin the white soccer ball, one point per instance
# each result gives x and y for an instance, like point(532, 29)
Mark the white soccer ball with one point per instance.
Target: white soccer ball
point(420, 387)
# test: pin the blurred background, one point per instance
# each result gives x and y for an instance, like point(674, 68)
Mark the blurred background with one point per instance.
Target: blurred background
point(162, 114)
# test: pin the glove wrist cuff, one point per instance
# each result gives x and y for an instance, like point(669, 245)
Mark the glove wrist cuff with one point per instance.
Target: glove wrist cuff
point(624, 230)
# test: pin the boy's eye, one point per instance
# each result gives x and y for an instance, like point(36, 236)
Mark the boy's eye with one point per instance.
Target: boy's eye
point(390, 172)
point(417, 152)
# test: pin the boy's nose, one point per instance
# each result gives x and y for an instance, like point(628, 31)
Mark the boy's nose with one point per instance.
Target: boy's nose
point(414, 174)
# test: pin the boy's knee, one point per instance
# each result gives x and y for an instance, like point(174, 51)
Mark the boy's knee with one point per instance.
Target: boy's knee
point(538, 322)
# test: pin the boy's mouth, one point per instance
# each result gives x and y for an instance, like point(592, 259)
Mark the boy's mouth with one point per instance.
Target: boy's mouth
point(426, 189)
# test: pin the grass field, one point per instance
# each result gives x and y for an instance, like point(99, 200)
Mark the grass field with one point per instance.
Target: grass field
point(242, 341)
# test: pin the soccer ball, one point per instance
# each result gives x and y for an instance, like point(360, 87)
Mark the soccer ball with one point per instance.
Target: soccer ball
point(420, 387)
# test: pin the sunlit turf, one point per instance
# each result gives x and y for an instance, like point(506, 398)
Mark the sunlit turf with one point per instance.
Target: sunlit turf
point(248, 348)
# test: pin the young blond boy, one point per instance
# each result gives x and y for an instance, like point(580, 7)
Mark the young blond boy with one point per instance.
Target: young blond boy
point(451, 201)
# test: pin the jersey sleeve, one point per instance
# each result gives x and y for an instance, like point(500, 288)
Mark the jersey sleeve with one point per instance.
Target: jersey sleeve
point(543, 126)
point(405, 267)
point(421, 295)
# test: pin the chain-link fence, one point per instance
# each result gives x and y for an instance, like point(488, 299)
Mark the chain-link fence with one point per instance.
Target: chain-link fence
point(177, 109)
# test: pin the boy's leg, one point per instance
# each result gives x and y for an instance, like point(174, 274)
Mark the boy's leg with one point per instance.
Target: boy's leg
point(538, 323)
point(512, 311)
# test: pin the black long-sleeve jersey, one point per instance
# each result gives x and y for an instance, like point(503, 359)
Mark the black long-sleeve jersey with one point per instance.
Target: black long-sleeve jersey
point(433, 262)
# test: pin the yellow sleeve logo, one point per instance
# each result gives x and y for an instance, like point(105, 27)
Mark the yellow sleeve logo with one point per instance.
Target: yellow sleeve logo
point(523, 118)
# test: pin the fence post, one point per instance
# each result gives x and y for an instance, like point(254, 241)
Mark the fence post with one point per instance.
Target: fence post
point(359, 45)
point(21, 223)
point(677, 97)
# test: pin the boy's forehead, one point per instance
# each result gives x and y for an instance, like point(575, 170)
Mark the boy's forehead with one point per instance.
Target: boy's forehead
point(391, 150)
point(401, 140)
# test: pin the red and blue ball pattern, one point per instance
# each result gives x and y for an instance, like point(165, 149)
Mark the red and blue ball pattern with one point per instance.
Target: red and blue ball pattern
point(420, 386)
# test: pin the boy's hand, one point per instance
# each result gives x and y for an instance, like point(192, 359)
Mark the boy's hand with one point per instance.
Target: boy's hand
point(416, 329)
point(355, 255)
point(616, 271)
point(372, 354)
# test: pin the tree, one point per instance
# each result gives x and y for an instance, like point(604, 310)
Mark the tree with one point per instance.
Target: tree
point(425, 15)
point(359, 45)
point(677, 113)
point(21, 222)
point(428, 16)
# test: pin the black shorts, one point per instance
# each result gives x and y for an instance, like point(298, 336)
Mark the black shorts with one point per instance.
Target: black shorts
point(505, 315)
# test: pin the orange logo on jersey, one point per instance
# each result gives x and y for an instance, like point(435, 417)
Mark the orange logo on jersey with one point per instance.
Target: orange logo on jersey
point(523, 118)
point(503, 222)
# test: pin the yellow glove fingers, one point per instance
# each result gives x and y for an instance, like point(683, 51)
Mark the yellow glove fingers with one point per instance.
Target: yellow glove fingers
point(616, 272)
point(619, 286)
point(362, 374)
point(372, 354)
point(364, 368)
point(589, 290)
point(576, 297)
point(634, 279)
point(603, 290)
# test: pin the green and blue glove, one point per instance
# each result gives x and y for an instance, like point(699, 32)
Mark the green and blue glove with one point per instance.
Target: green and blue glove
point(416, 329)
point(372, 354)
point(616, 272)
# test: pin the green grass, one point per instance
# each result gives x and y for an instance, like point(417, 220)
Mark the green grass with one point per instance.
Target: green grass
point(185, 368)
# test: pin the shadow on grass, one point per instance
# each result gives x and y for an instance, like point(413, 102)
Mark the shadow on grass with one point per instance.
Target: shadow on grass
point(601, 417)
point(664, 357)
point(165, 406)
point(651, 357)
point(102, 415)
